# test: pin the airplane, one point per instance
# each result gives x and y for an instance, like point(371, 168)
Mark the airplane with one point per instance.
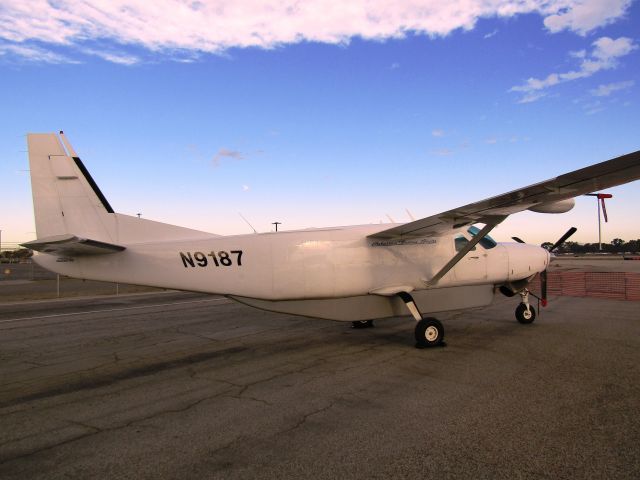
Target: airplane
point(354, 274)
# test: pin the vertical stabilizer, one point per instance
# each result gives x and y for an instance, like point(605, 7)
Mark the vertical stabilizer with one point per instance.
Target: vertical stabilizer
point(66, 200)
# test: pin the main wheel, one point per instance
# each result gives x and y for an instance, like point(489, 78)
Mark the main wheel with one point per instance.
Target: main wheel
point(429, 333)
point(525, 316)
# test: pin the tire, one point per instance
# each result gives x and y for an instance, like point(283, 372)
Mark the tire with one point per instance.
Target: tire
point(523, 316)
point(429, 332)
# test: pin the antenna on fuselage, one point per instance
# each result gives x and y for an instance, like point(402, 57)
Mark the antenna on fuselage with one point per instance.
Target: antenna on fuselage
point(410, 215)
point(247, 222)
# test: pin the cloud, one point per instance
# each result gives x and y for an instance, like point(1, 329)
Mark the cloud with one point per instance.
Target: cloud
point(226, 153)
point(532, 97)
point(584, 16)
point(604, 56)
point(609, 88)
point(246, 188)
point(578, 54)
point(119, 58)
point(490, 34)
point(593, 107)
point(167, 27)
point(442, 152)
point(437, 132)
point(33, 54)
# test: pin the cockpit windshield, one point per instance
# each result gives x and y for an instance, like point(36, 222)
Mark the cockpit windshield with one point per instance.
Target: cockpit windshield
point(487, 242)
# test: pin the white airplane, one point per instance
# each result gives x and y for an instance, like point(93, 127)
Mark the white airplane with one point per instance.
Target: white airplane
point(356, 273)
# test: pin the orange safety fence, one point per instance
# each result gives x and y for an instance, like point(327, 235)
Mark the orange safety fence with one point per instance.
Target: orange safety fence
point(614, 285)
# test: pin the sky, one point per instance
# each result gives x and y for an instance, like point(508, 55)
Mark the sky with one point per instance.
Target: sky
point(323, 113)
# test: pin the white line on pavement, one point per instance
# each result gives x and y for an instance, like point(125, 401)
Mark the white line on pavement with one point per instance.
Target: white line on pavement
point(111, 310)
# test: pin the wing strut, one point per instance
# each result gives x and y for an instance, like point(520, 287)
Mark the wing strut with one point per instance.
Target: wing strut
point(491, 224)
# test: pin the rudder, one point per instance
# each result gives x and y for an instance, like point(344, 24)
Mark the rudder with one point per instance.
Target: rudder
point(66, 200)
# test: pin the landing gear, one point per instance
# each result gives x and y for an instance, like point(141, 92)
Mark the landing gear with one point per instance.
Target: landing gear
point(429, 332)
point(525, 313)
point(362, 324)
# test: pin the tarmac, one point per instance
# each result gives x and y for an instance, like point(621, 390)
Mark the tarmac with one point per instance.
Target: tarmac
point(175, 385)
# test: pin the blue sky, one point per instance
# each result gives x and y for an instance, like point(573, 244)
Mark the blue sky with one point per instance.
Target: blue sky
point(326, 115)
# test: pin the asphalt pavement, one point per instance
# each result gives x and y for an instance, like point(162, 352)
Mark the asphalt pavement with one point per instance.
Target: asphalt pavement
point(177, 385)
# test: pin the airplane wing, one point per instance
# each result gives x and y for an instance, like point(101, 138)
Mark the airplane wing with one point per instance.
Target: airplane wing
point(71, 246)
point(596, 177)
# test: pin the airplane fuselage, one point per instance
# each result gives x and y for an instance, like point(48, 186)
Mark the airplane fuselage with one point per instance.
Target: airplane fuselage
point(309, 264)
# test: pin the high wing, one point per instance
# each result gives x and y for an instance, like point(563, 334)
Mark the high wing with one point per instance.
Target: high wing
point(596, 177)
point(71, 246)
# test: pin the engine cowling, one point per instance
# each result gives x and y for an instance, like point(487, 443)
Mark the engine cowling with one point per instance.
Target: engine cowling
point(561, 206)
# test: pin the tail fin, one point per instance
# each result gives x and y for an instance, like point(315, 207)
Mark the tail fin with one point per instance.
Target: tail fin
point(72, 215)
point(66, 200)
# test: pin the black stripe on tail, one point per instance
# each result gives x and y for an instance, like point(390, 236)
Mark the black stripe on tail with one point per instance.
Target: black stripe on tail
point(93, 184)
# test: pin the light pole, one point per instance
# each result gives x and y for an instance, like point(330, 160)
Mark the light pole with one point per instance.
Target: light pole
point(276, 224)
point(600, 199)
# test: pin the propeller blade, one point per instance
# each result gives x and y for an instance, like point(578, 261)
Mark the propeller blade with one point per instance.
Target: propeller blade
point(543, 274)
point(563, 238)
point(519, 240)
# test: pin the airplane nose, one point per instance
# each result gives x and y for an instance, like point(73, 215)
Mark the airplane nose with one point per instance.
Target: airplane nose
point(526, 260)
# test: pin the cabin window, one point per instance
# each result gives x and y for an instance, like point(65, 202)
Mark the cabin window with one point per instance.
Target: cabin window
point(487, 242)
point(461, 242)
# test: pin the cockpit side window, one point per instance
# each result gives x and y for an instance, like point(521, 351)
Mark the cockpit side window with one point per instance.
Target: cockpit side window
point(487, 242)
point(461, 242)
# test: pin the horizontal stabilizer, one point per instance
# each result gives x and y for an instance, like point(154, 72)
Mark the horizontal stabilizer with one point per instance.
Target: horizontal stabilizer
point(71, 246)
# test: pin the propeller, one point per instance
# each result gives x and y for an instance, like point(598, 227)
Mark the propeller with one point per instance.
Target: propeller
point(543, 274)
point(563, 238)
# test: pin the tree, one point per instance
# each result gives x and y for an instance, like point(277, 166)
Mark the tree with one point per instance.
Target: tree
point(617, 244)
point(572, 247)
point(632, 246)
point(547, 245)
point(19, 254)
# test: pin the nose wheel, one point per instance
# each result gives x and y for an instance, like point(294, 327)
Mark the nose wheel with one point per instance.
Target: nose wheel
point(525, 313)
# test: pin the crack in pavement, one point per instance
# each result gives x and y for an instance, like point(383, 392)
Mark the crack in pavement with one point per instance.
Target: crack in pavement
point(97, 430)
point(306, 416)
point(110, 379)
